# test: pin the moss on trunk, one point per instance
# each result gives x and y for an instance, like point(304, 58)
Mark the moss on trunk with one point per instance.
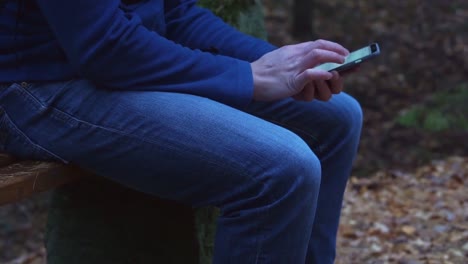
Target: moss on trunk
point(245, 15)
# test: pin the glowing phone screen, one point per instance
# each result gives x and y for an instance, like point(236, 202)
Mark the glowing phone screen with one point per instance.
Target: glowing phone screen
point(353, 56)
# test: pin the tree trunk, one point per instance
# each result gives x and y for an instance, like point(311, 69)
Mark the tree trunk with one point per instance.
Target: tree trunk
point(96, 221)
point(302, 27)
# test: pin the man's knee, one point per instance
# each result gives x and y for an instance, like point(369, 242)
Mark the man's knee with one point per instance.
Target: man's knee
point(355, 110)
point(349, 115)
point(297, 172)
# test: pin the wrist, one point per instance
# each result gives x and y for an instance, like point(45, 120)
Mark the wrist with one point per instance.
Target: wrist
point(260, 80)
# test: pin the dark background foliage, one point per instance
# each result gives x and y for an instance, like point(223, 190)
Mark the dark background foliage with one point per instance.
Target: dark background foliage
point(414, 95)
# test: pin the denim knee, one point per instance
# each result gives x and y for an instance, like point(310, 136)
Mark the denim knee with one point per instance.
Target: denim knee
point(351, 117)
point(297, 172)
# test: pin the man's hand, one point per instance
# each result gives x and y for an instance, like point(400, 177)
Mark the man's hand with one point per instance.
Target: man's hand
point(288, 71)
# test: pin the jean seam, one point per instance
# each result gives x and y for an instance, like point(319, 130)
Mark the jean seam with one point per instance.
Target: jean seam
point(23, 89)
point(21, 136)
point(260, 240)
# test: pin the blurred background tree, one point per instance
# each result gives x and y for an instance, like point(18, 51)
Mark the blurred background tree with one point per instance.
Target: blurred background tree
point(302, 20)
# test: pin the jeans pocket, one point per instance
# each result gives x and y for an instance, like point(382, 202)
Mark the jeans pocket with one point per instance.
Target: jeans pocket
point(14, 142)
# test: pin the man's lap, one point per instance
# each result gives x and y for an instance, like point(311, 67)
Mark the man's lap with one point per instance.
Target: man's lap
point(155, 133)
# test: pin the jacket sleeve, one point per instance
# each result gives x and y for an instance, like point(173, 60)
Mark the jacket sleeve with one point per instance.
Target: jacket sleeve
point(115, 50)
point(198, 28)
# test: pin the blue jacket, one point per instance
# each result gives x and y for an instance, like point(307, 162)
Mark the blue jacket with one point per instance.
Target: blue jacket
point(149, 45)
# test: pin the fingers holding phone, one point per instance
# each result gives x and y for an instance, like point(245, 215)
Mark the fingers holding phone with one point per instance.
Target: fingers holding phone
point(305, 71)
point(353, 60)
point(286, 71)
point(321, 89)
point(335, 83)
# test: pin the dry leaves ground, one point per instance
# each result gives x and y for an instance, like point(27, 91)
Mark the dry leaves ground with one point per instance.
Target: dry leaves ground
point(407, 217)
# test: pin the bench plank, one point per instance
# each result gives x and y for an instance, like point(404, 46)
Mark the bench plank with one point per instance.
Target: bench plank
point(21, 179)
point(5, 159)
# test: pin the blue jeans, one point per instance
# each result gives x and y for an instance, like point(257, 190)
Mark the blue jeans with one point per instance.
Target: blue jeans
point(277, 171)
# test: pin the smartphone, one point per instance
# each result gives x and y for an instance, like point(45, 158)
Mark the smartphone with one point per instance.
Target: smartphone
point(353, 59)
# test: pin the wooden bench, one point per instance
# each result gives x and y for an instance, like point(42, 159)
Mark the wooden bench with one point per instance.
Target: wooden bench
point(21, 179)
point(87, 217)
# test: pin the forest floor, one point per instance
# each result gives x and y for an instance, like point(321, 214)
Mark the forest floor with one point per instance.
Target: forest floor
point(407, 217)
point(407, 201)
